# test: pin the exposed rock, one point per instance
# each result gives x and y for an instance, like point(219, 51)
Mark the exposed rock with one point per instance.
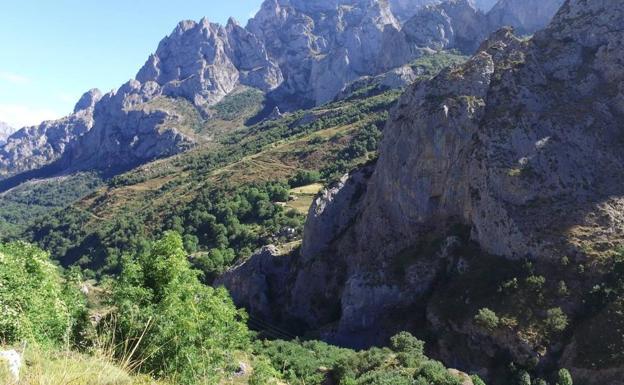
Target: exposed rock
point(34, 147)
point(454, 24)
point(526, 16)
point(521, 145)
point(203, 62)
point(255, 283)
point(88, 100)
point(5, 132)
point(275, 114)
point(405, 9)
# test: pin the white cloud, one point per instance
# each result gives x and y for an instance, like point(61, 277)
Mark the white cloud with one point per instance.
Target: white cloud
point(17, 115)
point(14, 78)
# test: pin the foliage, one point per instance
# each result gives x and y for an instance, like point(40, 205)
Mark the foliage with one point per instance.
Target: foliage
point(564, 377)
point(233, 105)
point(37, 304)
point(22, 206)
point(316, 363)
point(182, 329)
point(487, 319)
point(556, 320)
point(304, 178)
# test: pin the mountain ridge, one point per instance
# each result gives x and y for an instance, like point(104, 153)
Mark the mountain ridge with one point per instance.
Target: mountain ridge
point(290, 51)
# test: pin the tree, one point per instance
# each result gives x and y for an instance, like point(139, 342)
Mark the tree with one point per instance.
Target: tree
point(556, 320)
point(37, 303)
point(564, 377)
point(487, 319)
point(181, 328)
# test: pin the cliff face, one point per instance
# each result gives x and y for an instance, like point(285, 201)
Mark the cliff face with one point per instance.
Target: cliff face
point(515, 156)
point(33, 147)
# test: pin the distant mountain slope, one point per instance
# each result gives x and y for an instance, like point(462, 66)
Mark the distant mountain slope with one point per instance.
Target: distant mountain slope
point(298, 54)
point(5, 132)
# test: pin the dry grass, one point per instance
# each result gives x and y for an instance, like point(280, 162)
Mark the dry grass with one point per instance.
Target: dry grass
point(305, 195)
point(49, 367)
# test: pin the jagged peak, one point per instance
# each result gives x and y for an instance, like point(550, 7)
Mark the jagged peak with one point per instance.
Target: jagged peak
point(88, 100)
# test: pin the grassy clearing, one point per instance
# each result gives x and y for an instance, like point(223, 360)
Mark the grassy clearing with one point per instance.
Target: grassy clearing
point(304, 196)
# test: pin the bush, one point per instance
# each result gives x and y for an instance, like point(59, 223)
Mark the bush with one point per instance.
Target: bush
point(182, 329)
point(36, 302)
point(556, 320)
point(435, 373)
point(487, 319)
point(564, 377)
point(304, 178)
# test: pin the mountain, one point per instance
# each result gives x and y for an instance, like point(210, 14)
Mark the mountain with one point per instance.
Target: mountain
point(33, 147)
point(527, 16)
point(299, 54)
point(492, 218)
point(5, 132)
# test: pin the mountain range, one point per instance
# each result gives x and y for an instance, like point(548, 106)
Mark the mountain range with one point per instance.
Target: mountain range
point(299, 54)
point(350, 169)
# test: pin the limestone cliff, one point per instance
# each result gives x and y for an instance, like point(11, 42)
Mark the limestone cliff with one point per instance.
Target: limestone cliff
point(489, 175)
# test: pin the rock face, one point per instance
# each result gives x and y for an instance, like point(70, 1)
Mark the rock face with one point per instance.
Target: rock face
point(203, 62)
point(405, 9)
point(521, 146)
point(527, 16)
point(5, 132)
point(301, 53)
point(33, 147)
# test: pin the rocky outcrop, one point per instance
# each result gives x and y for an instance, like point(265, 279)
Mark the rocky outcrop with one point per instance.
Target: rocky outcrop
point(521, 146)
point(34, 147)
point(203, 62)
point(405, 9)
point(526, 16)
point(455, 24)
point(5, 132)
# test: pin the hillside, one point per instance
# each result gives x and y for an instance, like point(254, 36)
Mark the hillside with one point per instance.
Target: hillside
point(341, 192)
point(492, 219)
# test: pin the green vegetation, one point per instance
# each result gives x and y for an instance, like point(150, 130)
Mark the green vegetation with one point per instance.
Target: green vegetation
point(486, 318)
point(184, 331)
point(226, 198)
point(313, 363)
point(157, 318)
point(21, 206)
point(239, 103)
point(37, 304)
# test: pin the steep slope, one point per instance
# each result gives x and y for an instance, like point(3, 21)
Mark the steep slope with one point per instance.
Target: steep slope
point(33, 147)
point(527, 16)
point(493, 216)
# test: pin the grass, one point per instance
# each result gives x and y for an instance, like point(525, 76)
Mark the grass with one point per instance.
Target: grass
point(50, 367)
point(305, 195)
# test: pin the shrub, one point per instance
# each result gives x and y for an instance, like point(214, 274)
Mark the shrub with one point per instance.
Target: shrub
point(435, 373)
point(304, 178)
point(36, 303)
point(564, 377)
point(476, 380)
point(181, 329)
point(487, 319)
point(556, 320)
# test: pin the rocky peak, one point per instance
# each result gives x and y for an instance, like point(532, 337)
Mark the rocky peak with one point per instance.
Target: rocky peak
point(88, 100)
point(521, 147)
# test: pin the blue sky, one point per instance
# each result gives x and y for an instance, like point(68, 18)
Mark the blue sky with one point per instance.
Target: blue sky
point(51, 51)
